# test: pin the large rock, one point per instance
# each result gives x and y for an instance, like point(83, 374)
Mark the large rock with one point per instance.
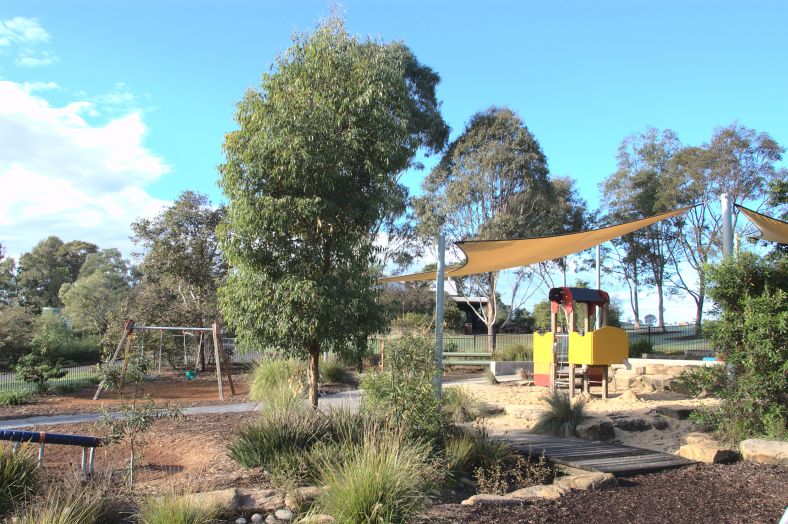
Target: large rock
point(764, 451)
point(596, 430)
point(702, 447)
point(655, 369)
point(633, 424)
point(650, 382)
point(492, 500)
point(586, 481)
point(549, 491)
point(301, 498)
point(261, 500)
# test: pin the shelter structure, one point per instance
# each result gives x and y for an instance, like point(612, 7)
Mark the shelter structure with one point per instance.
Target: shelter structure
point(771, 229)
point(558, 356)
point(125, 345)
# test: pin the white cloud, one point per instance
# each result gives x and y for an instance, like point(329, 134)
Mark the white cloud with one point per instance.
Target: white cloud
point(26, 40)
point(61, 175)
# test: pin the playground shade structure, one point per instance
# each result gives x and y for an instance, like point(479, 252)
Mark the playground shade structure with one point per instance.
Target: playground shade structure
point(771, 229)
point(484, 256)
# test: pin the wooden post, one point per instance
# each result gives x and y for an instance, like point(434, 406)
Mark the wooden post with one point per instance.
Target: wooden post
point(218, 334)
point(218, 363)
point(571, 380)
point(382, 352)
point(604, 381)
point(127, 329)
point(587, 380)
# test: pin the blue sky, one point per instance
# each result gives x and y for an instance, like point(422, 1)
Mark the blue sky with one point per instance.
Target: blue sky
point(125, 104)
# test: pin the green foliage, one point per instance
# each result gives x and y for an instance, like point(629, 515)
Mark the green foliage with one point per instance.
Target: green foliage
point(467, 450)
point(102, 284)
point(751, 335)
point(514, 353)
point(460, 406)
point(498, 478)
point(709, 380)
point(16, 334)
point(333, 371)
point(172, 508)
point(421, 321)
point(71, 504)
point(274, 380)
point(75, 386)
point(404, 393)
point(638, 346)
point(562, 417)
point(39, 367)
point(383, 480)
point(15, 397)
point(707, 418)
point(18, 477)
point(311, 171)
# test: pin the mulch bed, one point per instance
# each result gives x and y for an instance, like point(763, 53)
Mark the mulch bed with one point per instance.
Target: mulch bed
point(739, 493)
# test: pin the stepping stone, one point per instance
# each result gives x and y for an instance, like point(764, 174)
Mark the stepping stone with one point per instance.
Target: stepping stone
point(676, 412)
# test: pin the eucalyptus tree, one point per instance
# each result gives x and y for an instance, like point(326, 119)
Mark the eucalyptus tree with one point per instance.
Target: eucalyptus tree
point(738, 161)
point(643, 185)
point(493, 183)
point(309, 175)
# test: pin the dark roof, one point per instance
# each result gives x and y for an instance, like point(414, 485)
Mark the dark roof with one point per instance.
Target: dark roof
point(579, 294)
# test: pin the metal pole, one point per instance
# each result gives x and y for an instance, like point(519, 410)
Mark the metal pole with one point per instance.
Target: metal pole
point(598, 319)
point(727, 226)
point(439, 299)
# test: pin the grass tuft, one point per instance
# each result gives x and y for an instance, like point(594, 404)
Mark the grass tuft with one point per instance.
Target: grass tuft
point(172, 508)
point(18, 477)
point(75, 504)
point(15, 397)
point(562, 417)
point(332, 371)
point(460, 406)
point(279, 384)
point(489, 376)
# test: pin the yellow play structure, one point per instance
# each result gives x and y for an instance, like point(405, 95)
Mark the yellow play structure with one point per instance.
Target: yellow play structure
point(560, 357)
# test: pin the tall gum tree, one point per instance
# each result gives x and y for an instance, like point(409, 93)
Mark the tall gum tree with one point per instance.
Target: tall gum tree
point(309, 176)
point(493, 183)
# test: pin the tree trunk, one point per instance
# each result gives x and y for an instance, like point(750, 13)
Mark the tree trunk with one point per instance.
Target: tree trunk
point(660, 307)
point(699, 311)
point(633, 302)
point(313, 373)
point(491, 314)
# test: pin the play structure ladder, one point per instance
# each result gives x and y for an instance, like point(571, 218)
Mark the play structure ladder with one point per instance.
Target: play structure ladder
point(584, 454)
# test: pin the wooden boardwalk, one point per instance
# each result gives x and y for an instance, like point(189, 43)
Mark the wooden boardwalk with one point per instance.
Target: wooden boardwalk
point(592, 456)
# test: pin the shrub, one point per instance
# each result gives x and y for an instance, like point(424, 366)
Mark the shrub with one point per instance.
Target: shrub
point(87, 504)
point(706, 418)
point(467, 450)
point(491, 480)
point(515, 353)
point(381, 480)
point(172, 508)
point(706, 379)
point(497, 479)
point(332, 371)
point(18, 478)
point(562, 417)
point(275, 432)
point(74, 386)
point(404, 393)
point(638, 346)
point(460, 406)
point(15, 397)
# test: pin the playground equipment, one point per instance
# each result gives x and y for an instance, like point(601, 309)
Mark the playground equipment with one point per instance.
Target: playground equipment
point(219, 355)
point(87, 443)
point(559, 356)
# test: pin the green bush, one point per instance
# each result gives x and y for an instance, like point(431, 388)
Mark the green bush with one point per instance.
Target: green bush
point(499, 479)
point(467, 450)
point(15, 397)
point(413, 320)
point(382, 480)
point(459, 406)
point(332, 371)
point(18, 477)
point(638, 346)
point(279, 383)
point(74, 386)
point(562, 417)
point(172, 508)
point(404, 393)
point(709, 379)
point(515, 353)
point(751, 336)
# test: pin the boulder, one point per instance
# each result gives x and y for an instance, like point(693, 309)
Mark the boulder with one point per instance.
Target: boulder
point(677, 412)
point(491, 409)
point(659, 423)
point(650, 382)
point(630, 396)
point(301, 498)
point(586, 481)
point(702, 447)
point(492, 500)
point(633, 424)
point(261, 500)
point(596, 430)
point(549, 491)
point(284, 514)
point(655, 369)
point(270, 519)
point(764, 451)
point(257, 517)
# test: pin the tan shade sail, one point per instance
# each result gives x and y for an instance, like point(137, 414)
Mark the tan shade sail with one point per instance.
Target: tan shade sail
point(484, 256)
point(770, 228)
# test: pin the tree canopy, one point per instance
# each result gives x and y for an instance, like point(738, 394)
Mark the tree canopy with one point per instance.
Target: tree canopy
point(308, 176)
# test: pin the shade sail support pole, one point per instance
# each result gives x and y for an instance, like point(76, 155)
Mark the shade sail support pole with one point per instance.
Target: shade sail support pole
point(727, 226)
point(439, 300)
point(598, 319)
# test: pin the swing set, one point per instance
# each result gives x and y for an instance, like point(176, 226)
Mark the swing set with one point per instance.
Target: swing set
point(220, 357)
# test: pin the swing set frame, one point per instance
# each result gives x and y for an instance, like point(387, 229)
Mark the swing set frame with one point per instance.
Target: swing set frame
point(219, 355)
